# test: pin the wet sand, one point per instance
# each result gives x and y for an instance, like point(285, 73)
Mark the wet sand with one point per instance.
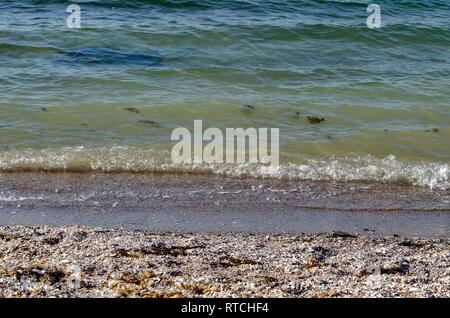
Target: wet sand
point(230, 237)
point(211, 204)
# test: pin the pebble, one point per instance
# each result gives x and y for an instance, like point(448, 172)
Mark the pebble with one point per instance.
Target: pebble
point(120, 263)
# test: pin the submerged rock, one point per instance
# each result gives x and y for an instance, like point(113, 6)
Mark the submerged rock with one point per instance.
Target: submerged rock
point(132, 110)
point(248, 107)
point(148, 122)
point(315, 120)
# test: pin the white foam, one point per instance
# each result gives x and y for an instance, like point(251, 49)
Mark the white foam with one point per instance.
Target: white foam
point(435, 175)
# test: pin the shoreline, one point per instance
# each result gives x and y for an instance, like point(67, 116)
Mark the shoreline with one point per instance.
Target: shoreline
point(220, 205)
point(94, 262)
point(215, 205)
point(167, 236)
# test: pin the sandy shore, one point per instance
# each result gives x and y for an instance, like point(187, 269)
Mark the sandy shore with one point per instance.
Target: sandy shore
point(206, 236)
point(95, 262)
point(212, 205)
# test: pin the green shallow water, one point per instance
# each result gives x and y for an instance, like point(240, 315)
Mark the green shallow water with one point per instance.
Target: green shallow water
point(382, 92)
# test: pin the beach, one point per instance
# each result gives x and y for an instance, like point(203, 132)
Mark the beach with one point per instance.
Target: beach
point(95, 262)
point(159, 235)
point(187, 203)
point(135, 140)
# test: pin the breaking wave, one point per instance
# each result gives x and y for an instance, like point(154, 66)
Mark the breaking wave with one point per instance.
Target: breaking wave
point(433, 175)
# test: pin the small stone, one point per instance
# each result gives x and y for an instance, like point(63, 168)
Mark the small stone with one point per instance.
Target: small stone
point(315, 120)
point(132, 110)
point(147, 121)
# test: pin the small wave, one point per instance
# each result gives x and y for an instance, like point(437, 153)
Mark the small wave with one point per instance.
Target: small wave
point(433, 175)
point(135, 3)
point(106, 55)
point(21, 48)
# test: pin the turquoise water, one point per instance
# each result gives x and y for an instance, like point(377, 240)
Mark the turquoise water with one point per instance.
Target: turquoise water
point(384, 93)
